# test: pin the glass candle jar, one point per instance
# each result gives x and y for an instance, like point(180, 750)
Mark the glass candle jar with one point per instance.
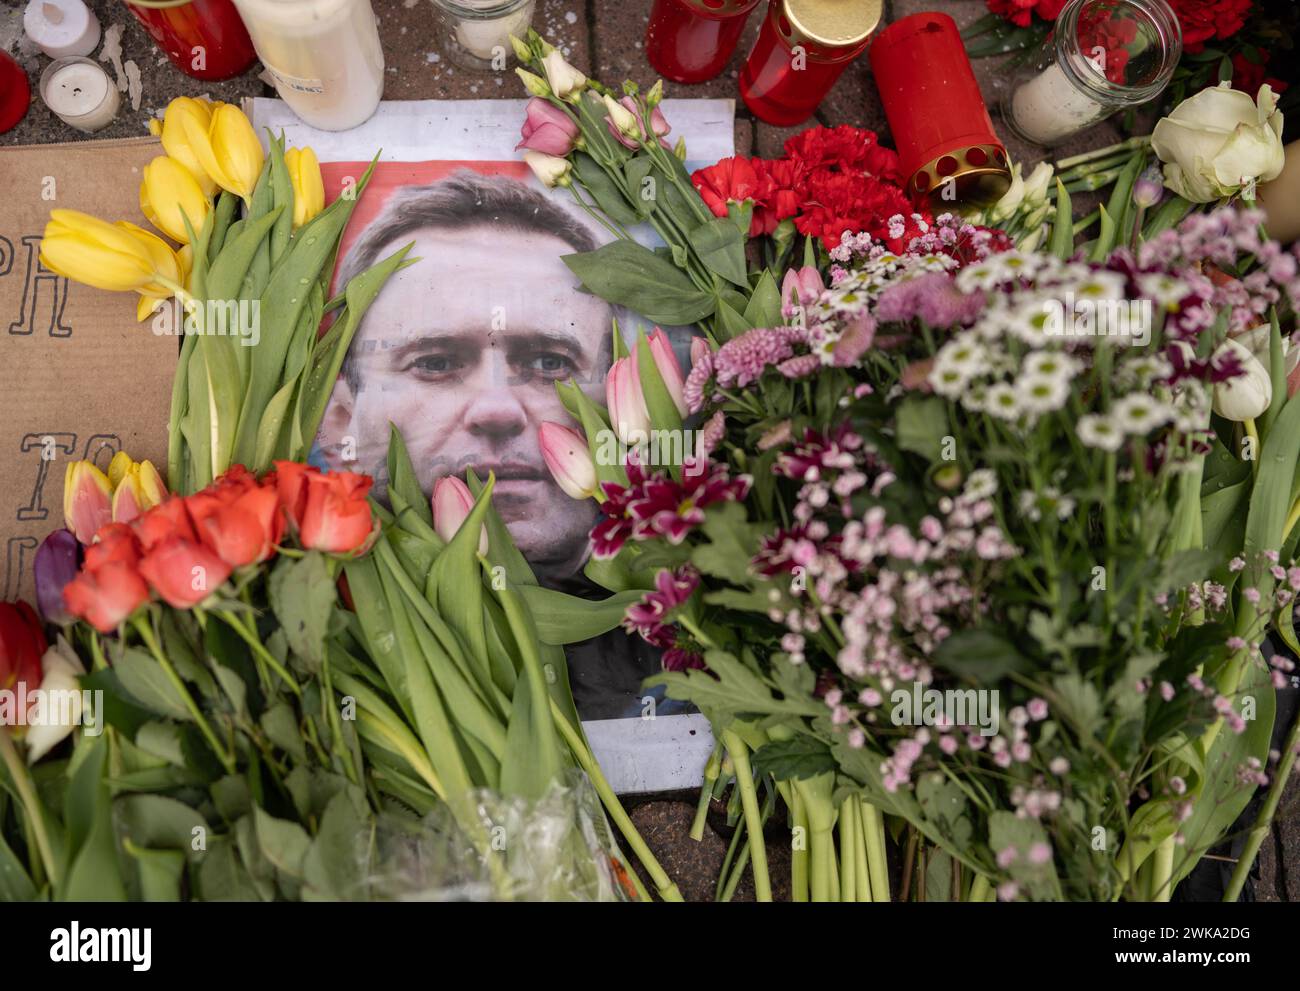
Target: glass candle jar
point(689, 41)
point(204, 39)
point(80, 93)
point(324, 56)
point(15, 92)
point(1101, 56)
point(477, 32)
point(803, 47)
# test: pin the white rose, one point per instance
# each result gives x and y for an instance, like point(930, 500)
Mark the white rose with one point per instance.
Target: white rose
point(1219, 141)
point(61, 698)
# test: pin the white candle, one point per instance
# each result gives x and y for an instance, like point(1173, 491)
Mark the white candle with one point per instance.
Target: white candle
point(1049, 107)
point(61, 28)
point(483, 37)
point(80, 93)
point(324, 55)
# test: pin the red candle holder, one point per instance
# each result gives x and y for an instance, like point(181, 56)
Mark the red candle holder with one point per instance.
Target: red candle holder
point(947, 147)
point(802, 49)
point(15, 92)
point(204, 39)
point(689, 41)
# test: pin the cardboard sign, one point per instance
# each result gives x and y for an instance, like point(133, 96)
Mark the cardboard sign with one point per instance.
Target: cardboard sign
point(79, 377)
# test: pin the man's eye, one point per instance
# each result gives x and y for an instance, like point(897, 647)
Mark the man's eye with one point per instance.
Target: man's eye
point(434, 364)
point(552, 364)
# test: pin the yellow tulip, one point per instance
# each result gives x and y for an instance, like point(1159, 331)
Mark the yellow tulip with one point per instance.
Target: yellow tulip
point(308, 189)
point(228, 150)
point(137, 487)
point(166, 265)
point(95, 252)
point(87, 500)
point(175, 142)
point(168, 194)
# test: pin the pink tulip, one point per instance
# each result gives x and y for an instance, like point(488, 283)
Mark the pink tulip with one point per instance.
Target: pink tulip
point(547, 129)
point(669, 369)
point(658, 123)
point(566, 455)
point(700, 350)
point(800, 287)
point(626, 402)
point(452, 502)
point(87, 500)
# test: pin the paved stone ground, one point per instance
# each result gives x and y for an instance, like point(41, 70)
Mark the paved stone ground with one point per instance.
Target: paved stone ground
point(603, 37)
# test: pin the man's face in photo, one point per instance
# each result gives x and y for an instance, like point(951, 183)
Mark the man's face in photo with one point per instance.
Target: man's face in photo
point(461, 352)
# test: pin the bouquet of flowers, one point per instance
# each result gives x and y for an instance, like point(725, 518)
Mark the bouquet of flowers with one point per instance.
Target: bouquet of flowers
point(979, 541)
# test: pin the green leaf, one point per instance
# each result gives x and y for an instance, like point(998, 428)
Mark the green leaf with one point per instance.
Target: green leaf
point(721, 247)
point(563, 619)
point(283, 843)
point(922, 425)
point(731, 689)
point(302, 595)
point(144, 680)
point(764, 309)
point(1062, 244)
point(628, 274)
point(159, 822)
point(980, 656)
point(15, 885)
point(332, 868)
point(403, 479)
point(605, 191)
point(93, 873)
point(731, 542)
point(801, 756)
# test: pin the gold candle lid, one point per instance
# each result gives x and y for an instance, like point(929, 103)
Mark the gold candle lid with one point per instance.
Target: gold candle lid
point(831, 23)
point(976, 175)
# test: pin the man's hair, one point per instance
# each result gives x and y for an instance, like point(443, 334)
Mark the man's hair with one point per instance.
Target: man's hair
point(459, 202)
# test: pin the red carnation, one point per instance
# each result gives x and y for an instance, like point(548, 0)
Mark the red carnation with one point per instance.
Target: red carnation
point(842, 149)
point(840, 202)
point(778, 194)
point(1204, 20)
point(732, 180)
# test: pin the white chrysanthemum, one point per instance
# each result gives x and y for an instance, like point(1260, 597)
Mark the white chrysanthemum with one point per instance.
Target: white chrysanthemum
point(1028, 506)
point(1138, 413)
point(948, 382)
point(964, 353)
point(1191, 406)
point(1032, 318)
point(1043, 393)
point(1050, 364)
point(1003, 401)
point(1143, 369)
point(982, 484)
point(1163, 289)
point(1099, 432)
point(1100, 285)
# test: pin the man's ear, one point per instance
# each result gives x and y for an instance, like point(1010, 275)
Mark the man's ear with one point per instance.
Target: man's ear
point(337, 437)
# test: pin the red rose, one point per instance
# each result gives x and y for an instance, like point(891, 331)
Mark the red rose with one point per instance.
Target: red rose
point(165, 521)
point(183, 572)
point(290, 480)
point(115, 542)
point(336, 518)
point(243, 528)
point(107, 595)
point(731, 180)
point(22, 645)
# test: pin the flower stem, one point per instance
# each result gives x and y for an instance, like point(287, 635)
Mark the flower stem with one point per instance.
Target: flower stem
point(23, 784)
point(848, 854)
point(799, 853)
point(260, 651)
point(873, 831)
point(146, 634)
point(666, 887)
point(711, 772)
point(753, 821)
point(1265, 820)
point(980, 890)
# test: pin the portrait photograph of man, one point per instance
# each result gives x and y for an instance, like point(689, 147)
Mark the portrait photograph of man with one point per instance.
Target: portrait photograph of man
point(462, 351)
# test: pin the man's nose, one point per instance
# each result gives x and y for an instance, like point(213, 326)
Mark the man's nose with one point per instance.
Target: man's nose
point(495, 409)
